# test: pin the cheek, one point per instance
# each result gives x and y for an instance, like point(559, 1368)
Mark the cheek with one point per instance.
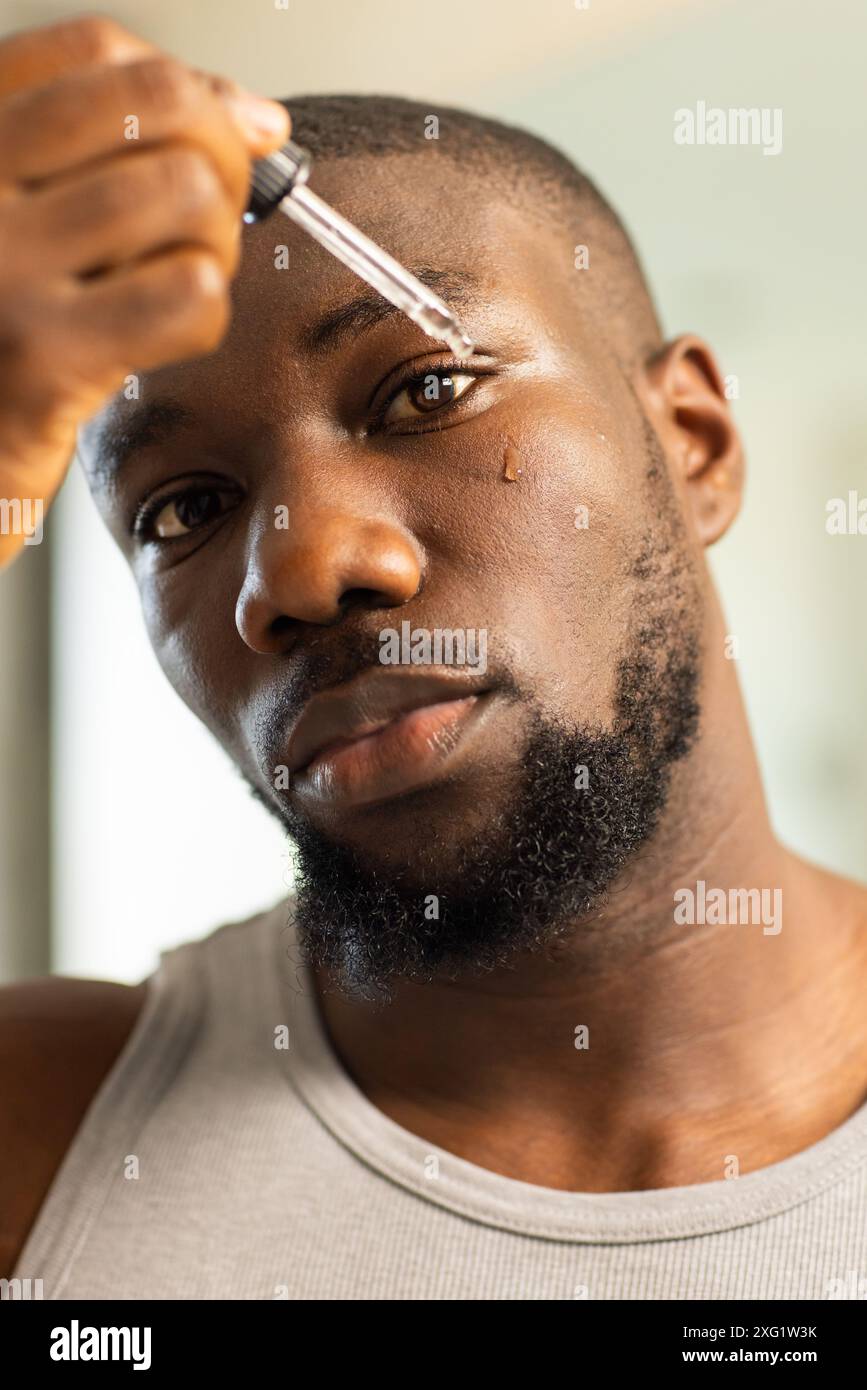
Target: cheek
point(195, 640)
point(543, 510)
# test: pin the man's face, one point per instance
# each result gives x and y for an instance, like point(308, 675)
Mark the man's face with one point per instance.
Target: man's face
point(323, 502)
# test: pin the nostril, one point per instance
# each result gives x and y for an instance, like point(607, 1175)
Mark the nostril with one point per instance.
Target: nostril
point(365, 598)
point(281, 626)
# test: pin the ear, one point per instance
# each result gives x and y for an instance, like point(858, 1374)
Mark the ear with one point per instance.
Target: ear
point(682, 391)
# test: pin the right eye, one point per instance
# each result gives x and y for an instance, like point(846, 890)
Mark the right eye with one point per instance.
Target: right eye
point(168, 518)
point(426, 393)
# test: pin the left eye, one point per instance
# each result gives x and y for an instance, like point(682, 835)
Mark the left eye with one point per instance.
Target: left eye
point(426, 393)
point(180, 515)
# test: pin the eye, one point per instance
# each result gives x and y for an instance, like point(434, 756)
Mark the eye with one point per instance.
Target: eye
point(426, 392)
point(167, 518)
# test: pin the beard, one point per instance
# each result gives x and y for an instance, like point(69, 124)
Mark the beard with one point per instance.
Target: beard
point(585, 801)
point(522, 883)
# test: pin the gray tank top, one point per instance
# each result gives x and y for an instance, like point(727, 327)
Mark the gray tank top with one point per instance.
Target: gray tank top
point(228, 1155)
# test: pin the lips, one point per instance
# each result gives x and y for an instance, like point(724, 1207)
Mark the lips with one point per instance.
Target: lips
point(382, 734)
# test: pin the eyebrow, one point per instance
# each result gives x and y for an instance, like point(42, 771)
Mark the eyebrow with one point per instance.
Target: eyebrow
point(459, 289)
point(154, 422)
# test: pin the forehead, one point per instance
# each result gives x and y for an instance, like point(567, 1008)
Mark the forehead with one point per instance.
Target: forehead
point(505, 272)
point(424, 211)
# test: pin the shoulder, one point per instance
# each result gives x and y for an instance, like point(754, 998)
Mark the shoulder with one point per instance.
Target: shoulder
point(59, 1038)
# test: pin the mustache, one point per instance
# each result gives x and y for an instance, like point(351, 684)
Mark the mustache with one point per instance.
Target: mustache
point(327, 661)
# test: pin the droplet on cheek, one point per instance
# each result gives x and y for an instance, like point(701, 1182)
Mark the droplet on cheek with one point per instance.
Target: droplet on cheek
point(513, 464)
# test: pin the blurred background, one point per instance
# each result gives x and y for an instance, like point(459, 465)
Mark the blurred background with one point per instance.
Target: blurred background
point(123, 827)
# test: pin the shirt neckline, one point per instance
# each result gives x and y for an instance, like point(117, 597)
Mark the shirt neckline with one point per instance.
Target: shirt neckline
point(317, 1074)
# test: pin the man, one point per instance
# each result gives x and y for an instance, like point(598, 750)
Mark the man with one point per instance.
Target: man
point(559, 1016)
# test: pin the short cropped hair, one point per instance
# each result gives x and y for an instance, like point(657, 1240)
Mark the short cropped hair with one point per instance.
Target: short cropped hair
point(513, 164)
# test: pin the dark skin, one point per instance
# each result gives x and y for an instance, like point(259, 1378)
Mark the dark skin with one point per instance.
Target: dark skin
point(705, 1042)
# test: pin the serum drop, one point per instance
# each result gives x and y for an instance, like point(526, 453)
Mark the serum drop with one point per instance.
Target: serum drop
point(513, 464)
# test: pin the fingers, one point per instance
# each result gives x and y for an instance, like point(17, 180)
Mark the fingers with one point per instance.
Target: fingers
point(62, 88)
point(265, 124)
point(123, 178)
point(84, 116)
point(121, 210)
point(37, 56)
point(166, 309)
point(68, 345)
point(92, 335)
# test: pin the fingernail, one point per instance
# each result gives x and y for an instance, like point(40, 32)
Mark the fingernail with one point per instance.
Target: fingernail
point(266, 117)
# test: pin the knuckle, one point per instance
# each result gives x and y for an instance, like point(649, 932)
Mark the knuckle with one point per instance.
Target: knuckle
point(111, 197)
point(165, 83)
point(214, 326)
point(93, 38)
point(212, 318)
point(187, 175)
point(201, 288)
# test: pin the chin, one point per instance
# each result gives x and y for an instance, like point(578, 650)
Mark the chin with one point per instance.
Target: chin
point(419, 836)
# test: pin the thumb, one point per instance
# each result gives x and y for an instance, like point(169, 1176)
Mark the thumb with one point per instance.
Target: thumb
point(264, 124)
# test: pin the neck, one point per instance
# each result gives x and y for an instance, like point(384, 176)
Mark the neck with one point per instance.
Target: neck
point(644, 1052)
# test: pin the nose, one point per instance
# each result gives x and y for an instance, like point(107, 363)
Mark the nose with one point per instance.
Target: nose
point(310, 575)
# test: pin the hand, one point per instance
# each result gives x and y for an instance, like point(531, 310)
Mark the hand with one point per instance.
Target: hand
point(116, 253)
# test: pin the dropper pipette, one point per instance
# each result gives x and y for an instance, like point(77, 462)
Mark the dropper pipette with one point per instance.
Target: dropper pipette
point(280, 181)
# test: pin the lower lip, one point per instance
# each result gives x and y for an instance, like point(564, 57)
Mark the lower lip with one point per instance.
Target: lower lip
point(407, 753)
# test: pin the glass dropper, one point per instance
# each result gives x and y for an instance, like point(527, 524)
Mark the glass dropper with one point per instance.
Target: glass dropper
point(280, 181)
